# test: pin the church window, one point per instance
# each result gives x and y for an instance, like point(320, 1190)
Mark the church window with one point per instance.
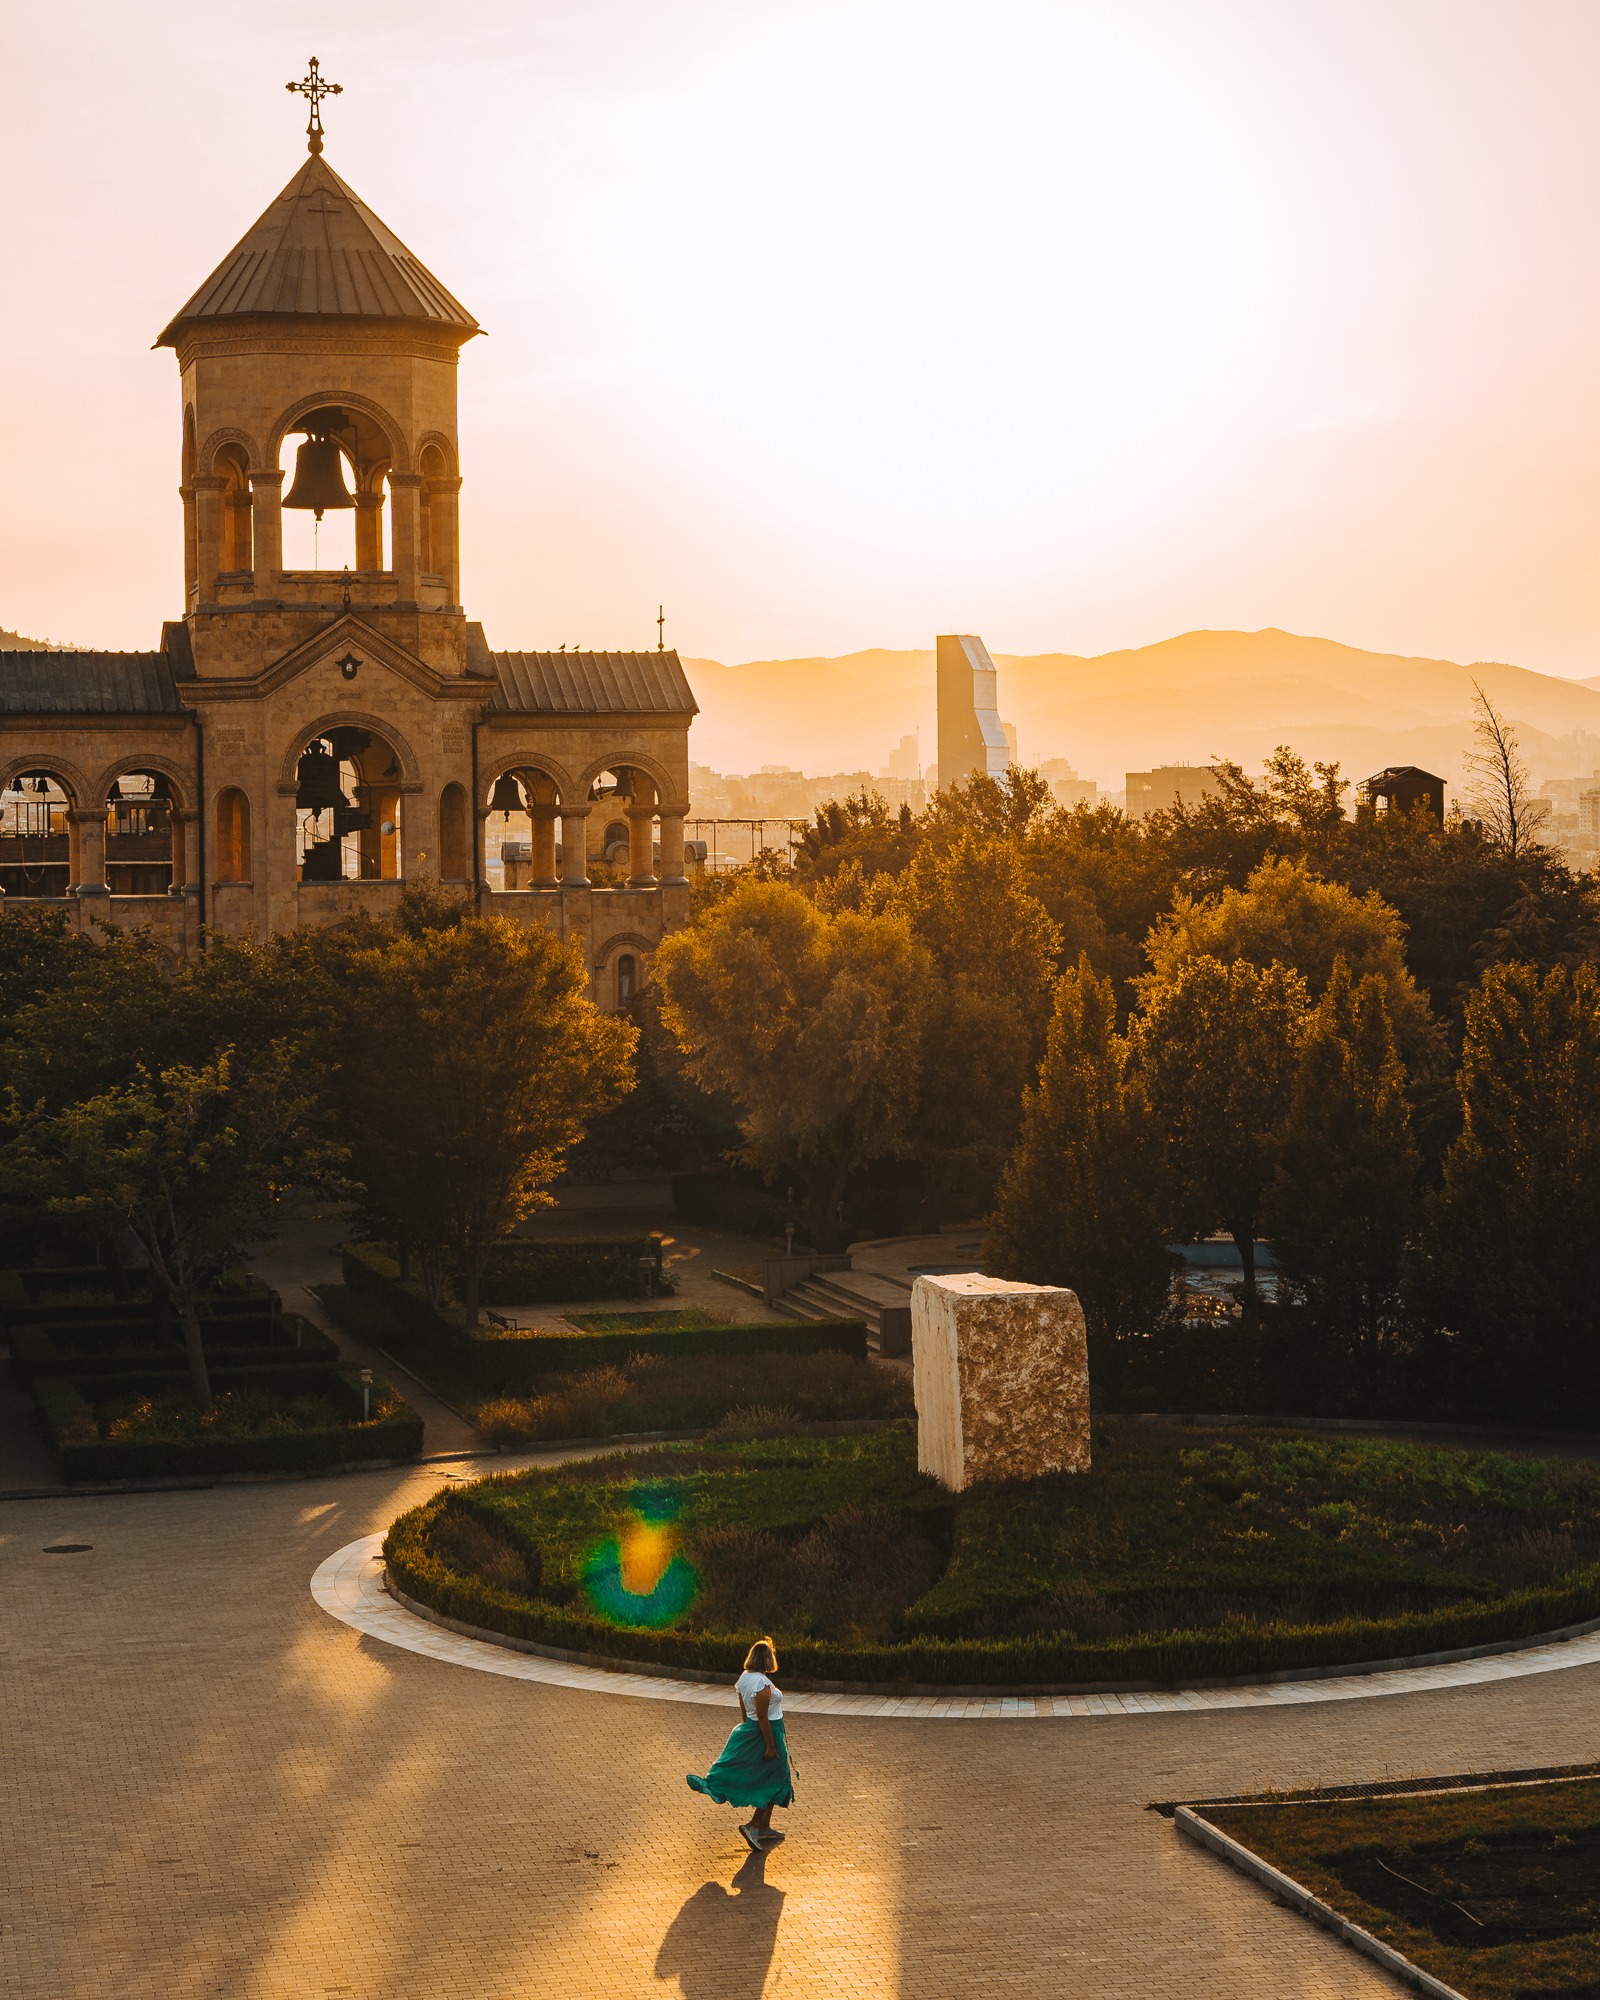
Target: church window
point(455, 851)
point(237, 539)
point(233, 836)
point(627, 976)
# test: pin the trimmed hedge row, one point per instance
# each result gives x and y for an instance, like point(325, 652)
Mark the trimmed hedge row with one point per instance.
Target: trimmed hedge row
point(526, 1272)
point(1039, 1661)
point(507, 1360)
point(62, 1401)
point(37, 1352)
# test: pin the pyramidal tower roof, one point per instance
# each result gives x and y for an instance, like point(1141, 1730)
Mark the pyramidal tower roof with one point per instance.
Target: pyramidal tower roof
point(320, 253)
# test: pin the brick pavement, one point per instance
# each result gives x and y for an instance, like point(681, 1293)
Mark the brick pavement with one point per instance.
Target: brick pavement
point(209, 1787)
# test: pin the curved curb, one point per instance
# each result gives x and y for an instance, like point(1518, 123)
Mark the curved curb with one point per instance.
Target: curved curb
point(349, 1586)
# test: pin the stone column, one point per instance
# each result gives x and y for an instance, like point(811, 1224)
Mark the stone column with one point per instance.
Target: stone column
point(266, 528)
point(405, 530)
point(574, 857)
point(90, 846)
point(211, 502)
point(444, 506)
point(369, 531)
point(672, 874)
point(186, 854)
point(641, 845)
point(542, 872)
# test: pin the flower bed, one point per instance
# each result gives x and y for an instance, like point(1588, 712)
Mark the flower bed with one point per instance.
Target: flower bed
point(277, 1420)
point(1192, 1556)
point(1492, 1891)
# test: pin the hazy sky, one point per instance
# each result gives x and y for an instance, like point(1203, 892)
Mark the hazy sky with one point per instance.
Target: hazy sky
point(839, 326)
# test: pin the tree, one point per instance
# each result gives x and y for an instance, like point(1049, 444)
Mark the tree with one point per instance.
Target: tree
point(1501, 791)
point(1080, 1199)
point(810, 1022)
point(189, 1159)
point(470, 1058)
point(993, 951)
point(863, 831)
point(1515, 1235)
point(1338, 1208)
point(1216, 1049)
point(1286, 914)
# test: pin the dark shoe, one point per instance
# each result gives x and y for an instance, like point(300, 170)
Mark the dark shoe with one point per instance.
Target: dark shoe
point(752, 1838)
point(770, 1836)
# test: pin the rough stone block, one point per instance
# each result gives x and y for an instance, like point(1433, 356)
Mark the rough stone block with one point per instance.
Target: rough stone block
point(1002, 1379)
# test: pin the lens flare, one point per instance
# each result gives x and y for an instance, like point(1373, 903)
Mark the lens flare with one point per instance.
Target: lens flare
point(636, 1576)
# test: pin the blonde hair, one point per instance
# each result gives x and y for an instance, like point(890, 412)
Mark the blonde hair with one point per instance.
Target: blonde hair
point(762, 1646)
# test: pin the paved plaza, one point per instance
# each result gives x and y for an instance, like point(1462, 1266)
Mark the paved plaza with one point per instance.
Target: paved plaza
point(211, 1787)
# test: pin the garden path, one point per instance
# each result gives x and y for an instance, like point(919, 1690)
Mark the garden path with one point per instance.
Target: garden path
point(210, 1787)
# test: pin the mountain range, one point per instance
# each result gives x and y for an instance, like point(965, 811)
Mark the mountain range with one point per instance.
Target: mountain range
point(1190, 699)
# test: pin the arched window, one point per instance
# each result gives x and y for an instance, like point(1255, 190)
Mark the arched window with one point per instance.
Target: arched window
point(347, 808)
point(237, 538)
point(435, 555)
point(627, 978)
point(455, 849)
point(140, 851)
point(233, 836)
point(35, 836)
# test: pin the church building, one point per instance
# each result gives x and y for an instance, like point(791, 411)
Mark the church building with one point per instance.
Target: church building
point(304, 742)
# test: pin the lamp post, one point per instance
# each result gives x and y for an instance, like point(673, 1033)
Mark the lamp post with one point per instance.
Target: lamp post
point(366, 1395)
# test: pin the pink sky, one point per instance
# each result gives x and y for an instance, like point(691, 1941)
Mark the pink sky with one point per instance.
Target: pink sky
point(838, 326)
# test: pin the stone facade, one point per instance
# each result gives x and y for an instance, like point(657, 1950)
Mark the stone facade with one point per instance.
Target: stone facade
point(1002, 1379)
point(304, 743)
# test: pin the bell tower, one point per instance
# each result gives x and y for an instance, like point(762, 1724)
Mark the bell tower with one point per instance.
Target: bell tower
point(320, 348)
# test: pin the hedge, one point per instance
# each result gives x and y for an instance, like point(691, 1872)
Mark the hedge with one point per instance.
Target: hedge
point(500, 1361)
point(525, 1272)
point(397, 1435)
point(1042, 1661)
point(125, 1350)
point(132, 1312)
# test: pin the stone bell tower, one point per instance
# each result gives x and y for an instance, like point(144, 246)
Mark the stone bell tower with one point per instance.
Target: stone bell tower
point(319, 331)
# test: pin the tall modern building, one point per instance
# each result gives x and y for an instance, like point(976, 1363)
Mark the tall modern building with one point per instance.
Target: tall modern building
point(973, 741)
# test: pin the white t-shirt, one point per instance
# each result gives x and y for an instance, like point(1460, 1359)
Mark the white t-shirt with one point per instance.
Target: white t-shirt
point(749, 1685)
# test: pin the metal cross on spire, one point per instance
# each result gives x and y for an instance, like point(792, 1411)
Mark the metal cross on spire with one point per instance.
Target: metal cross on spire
point(315, 90)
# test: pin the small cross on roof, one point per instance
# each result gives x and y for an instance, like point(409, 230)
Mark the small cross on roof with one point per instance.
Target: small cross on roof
point(315, 90)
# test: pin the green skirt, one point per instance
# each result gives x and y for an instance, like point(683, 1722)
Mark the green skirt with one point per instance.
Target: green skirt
point(744, 1775)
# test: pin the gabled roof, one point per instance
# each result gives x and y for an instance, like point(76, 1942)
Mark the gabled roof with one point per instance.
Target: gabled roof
point(319, 252)
point(1402, 774)
point(88, 684)
point(591, 684)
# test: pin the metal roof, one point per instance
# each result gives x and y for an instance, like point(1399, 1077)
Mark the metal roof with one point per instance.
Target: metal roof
point(87, 684)
point(320, 252)
point(592, 684)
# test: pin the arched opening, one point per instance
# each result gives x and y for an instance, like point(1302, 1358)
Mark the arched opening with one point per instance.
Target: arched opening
point(140, 834)
point(237, 552)
point(455, 848)
point(522, 812)
point(622, 839)
point(233, 836)
point(347, 808)
point(336, 469)
point(433, 548)
point(35, 836)
point(627, 978)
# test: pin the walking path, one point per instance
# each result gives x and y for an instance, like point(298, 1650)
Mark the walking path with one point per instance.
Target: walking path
point(210, 1787)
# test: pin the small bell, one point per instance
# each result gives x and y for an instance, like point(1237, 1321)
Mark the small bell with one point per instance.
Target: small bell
point(319, 478)
point(507, 795)
point(160, 790)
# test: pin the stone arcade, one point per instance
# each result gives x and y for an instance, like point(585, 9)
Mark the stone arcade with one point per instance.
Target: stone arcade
point(303, 742)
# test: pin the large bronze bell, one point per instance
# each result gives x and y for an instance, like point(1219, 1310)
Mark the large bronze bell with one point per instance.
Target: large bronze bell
point(319, 478)
point(506, 796)
point(317, 781)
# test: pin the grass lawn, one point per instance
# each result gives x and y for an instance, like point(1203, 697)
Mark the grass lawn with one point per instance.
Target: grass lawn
point(1180, 1555)
point(1495, 1892)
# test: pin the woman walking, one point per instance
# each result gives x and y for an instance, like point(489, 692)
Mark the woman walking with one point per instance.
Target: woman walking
point(753, 1769)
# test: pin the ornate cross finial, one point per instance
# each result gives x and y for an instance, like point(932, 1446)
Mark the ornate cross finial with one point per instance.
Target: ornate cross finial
point(661, 628)
point(314, 89)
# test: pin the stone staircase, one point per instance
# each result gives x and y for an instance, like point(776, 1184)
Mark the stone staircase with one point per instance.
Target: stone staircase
point(884, 1303)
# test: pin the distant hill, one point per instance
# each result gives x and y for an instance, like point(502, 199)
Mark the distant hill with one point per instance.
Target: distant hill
point(1185, 700)
point(13, 642)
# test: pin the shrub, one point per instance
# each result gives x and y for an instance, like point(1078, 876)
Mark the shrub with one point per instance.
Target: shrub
point(694, 1392)
point(266, 1427)
point(529, 1271)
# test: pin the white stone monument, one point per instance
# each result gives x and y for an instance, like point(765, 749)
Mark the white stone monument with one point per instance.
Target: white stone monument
point(1001, 1372)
